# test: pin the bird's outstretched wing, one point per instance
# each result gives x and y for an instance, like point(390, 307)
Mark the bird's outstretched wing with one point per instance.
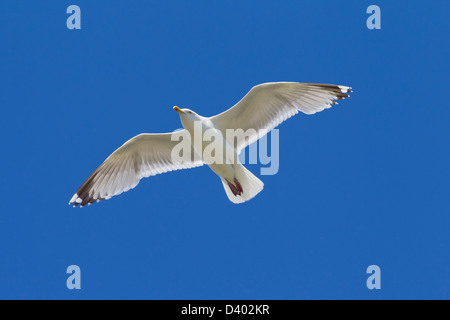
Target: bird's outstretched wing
point(143, 156)
point(267, 105)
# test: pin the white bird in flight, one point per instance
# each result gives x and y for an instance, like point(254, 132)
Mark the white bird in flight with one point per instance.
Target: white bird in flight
point(263, 108)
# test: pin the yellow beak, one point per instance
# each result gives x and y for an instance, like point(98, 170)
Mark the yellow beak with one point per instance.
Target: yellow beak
point(178, 109)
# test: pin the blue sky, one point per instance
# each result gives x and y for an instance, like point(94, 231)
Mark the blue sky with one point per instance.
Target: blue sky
point(363, 183)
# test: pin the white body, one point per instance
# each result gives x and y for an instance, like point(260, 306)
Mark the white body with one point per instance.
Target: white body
point(226, 163)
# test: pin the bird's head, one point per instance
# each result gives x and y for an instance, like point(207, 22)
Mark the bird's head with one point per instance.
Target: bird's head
point(187, 114)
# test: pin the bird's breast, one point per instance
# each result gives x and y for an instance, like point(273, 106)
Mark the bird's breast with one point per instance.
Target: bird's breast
point(210, 143)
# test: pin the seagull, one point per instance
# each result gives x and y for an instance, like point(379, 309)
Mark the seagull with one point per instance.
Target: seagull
point(263, 108)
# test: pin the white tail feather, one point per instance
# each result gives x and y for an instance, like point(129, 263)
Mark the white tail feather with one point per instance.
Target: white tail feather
point(251, 185)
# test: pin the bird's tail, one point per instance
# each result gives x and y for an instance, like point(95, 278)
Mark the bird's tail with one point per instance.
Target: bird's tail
point(244, 187)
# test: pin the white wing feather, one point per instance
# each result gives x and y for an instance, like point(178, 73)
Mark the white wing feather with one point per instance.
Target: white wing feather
point(142, 156)
point(267, 105)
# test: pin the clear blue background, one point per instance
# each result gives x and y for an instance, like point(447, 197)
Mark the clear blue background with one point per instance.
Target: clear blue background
point(366, 182)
